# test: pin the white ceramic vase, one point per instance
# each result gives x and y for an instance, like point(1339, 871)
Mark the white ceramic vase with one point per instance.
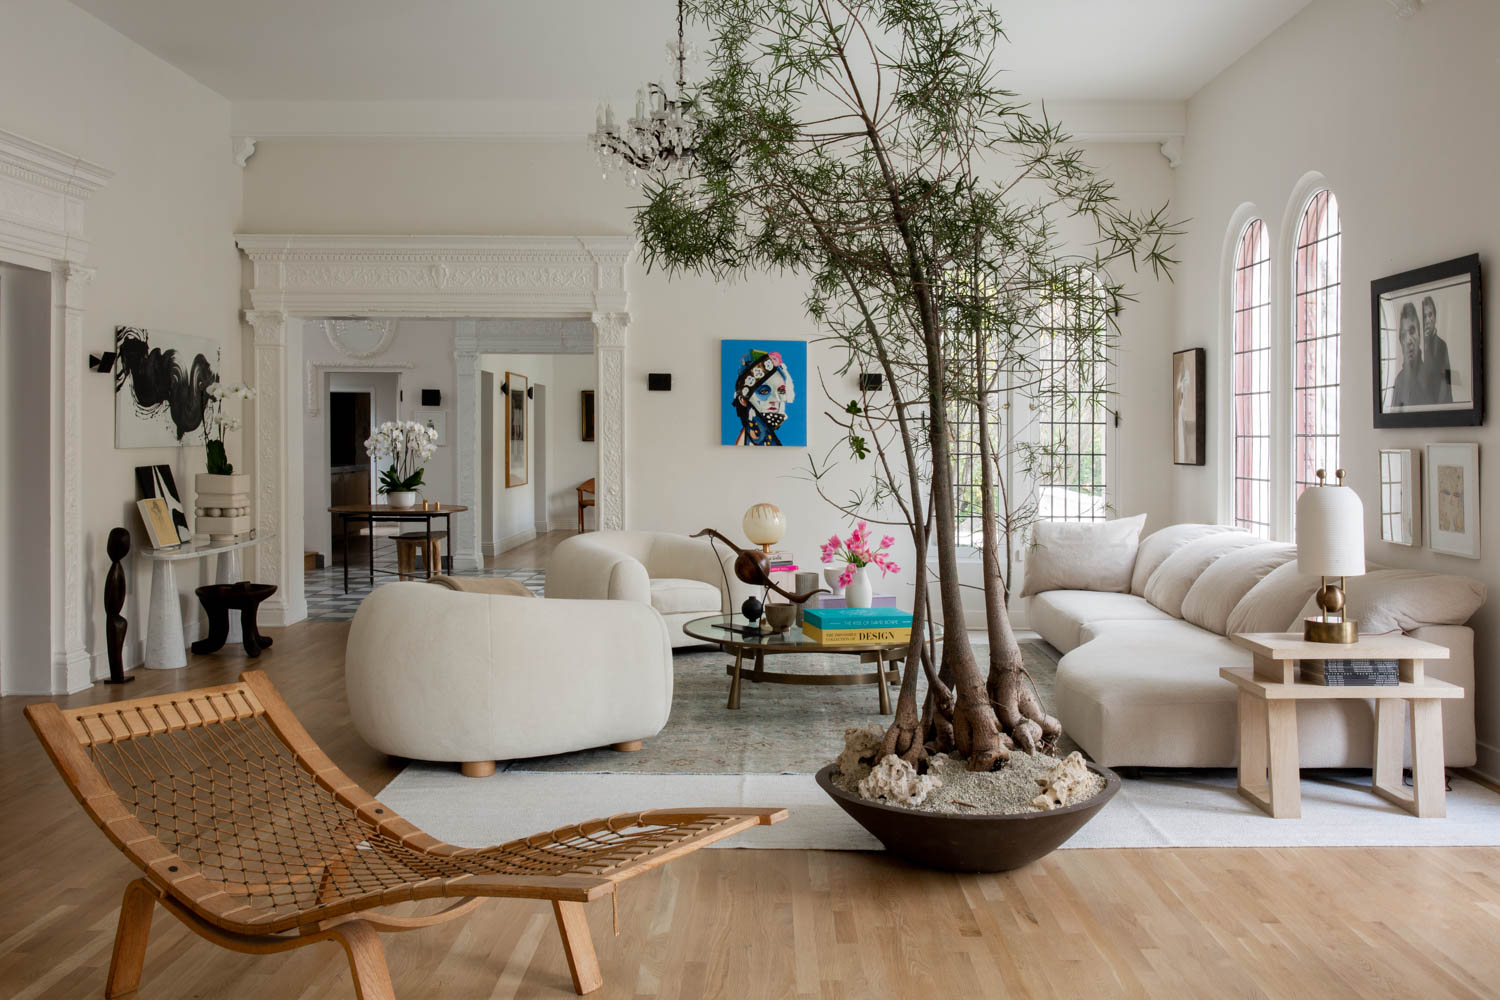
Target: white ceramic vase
point(860, 592)
point(831, 574)
point(401, 498)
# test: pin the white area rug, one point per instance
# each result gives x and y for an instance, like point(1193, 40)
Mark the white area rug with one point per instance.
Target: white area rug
point(1200, 810)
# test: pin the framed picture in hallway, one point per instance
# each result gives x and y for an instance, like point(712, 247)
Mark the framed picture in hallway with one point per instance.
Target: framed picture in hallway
point(1427, 327)
point(516, 429)
point(586, 417)
point(1189, 419)
point(760, 379)
point(1453, 499)
point(435, 420)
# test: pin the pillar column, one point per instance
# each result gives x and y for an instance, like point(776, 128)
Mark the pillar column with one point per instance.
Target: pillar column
point(609, 417)
point(464, 538)
point(71, 667)
point(276, 467)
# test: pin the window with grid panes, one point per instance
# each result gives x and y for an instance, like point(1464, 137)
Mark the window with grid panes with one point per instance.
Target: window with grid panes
point(1317, 308)
point(1250, 373)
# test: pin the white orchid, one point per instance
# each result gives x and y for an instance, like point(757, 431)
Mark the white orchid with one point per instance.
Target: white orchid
point(216, 424)
point(406, 444)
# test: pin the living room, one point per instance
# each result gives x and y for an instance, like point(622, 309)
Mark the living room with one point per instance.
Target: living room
point(331, 198)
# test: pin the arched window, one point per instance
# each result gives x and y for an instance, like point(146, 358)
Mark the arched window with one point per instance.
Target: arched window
point(1317, 315)
point(1250, 415)
point(1070, 404)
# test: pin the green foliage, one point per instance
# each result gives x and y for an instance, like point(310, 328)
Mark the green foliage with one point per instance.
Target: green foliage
point(216, 461)
point(391, 481)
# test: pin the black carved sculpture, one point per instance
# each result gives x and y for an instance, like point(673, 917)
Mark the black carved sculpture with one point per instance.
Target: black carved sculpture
point(117, 548)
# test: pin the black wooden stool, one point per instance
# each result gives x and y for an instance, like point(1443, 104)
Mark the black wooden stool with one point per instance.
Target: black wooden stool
point(218, 600)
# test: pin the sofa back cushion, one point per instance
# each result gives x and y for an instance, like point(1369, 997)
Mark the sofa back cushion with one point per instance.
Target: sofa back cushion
point(1169, 585)
point(1273, 604)
point(1219, 590)
point(1155, 548)
point(1391, 600)
point(1082, 555)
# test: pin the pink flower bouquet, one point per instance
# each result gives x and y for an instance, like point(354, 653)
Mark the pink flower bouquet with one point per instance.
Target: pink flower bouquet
point(856, 552)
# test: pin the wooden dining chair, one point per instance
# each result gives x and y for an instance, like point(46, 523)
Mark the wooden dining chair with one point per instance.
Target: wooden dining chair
point(587, 486)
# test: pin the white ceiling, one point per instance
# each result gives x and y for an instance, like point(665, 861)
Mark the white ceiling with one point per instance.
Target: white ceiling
point(522, 50)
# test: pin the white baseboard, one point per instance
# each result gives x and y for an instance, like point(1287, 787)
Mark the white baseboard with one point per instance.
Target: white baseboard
point(511, 541)
point(1488, 763)
point(489, 548)
point(571, 524)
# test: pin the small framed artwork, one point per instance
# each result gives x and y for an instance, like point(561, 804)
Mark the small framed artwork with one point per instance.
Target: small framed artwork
point(1428, 347)
point(156, 481)
point(516, 431)
point(435, 420)
point(1453, 499)
point(586, 418)
point(1400, 495)
point(1189, 420)
point(158, 520)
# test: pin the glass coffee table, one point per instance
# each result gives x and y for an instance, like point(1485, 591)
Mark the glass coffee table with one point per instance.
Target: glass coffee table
point(884, 657)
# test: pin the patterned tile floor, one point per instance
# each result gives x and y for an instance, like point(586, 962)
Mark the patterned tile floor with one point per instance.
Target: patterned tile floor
point(327, 602)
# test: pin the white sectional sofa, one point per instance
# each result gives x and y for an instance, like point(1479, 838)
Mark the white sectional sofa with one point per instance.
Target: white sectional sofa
point(1138, 683)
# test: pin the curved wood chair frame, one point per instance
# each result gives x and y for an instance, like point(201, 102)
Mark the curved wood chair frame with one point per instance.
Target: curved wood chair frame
point(251, 836)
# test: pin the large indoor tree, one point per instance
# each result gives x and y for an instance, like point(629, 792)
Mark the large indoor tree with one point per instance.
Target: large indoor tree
point(869, 146)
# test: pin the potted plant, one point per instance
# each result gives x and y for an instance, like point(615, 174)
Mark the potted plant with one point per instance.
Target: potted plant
point(857, 557)
point(223, 496)
point(868, 145)
point(406, 444)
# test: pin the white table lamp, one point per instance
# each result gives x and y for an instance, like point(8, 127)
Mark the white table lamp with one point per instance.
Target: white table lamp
point(1330, 543)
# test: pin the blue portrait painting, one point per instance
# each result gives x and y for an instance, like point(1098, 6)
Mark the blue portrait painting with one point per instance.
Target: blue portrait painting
point(761, 379)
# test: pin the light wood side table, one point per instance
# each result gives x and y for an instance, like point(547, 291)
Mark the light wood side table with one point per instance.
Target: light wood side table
point(1268, 696)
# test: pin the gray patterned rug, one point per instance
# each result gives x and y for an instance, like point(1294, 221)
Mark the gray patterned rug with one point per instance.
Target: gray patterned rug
point(778, 728)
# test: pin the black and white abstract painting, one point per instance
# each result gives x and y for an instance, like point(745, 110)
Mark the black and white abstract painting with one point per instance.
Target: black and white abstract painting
point(161, 383)
point(154, 481)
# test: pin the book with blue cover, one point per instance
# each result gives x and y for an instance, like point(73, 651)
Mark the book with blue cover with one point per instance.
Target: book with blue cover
point(829, 619)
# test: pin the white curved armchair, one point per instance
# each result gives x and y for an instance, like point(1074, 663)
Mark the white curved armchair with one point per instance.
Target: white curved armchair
point(682, 578)
point(436, 674)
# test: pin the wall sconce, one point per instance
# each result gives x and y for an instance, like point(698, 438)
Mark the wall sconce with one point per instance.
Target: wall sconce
point(505, 388)
point(871, 381)
point(531, 392)
point(659, 381)
point(432, 397)
point(102, 363)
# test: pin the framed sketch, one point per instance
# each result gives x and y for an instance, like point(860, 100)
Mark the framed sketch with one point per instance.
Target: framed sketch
point(1189, 419)
point(435, 420)
point(1428, 349)
point(516, 430)
point(759, 380)
point(1400, 495)
point(586, 417)
point(158, 520)
point(156, 481)
point(1453, 499)
point(161, 382)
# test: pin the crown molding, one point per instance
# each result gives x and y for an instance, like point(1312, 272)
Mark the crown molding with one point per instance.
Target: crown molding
point(572, 121)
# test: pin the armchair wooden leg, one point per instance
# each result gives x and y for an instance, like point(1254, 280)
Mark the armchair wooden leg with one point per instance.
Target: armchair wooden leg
point(477, 768)
point(130, 940)
point(573, 924)
point(628, 746)
point(372, 979)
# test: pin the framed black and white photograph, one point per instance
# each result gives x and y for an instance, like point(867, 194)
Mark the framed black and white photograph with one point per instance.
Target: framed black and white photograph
point(436, 420)
point(1453, 499)
point(1189, 420)
point(1400, 495)
point(156, 482)
point(161, 383)
point(1428, 349)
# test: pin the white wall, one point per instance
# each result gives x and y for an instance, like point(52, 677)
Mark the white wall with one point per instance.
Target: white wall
point(1400, 115)
point(678, 476)
point(160, 235)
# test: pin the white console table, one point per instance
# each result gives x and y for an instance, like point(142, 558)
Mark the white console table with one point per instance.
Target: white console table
point(166, 646)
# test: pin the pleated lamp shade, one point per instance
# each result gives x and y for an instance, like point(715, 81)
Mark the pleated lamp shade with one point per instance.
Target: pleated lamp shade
point(1330, 532)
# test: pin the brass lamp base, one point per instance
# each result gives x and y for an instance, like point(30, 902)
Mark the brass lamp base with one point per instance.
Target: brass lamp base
point(1318, 630)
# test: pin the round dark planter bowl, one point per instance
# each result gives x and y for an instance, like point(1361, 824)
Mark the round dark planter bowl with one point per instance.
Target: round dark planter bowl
point(963, 843)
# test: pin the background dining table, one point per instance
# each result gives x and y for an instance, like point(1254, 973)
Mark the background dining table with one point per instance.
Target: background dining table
point(375, 512)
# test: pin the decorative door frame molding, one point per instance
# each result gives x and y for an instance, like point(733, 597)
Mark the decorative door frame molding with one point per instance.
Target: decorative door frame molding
point(467, 278)
point(43, 194)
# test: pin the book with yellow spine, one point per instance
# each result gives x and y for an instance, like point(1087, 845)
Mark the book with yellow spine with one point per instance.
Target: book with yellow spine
point(875, 636)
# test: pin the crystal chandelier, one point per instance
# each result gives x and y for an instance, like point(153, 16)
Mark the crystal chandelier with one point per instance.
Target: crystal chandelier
point(660, 141)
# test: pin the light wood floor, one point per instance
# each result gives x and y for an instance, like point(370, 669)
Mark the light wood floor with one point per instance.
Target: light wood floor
point(530, 555)
point(1307, 924)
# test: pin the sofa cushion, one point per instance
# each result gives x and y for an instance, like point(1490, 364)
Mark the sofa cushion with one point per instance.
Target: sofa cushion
point(1062, 616)
point(1390, 600)
point(1273, 604)
point(1155, 548)
point(1082, 555)
point(673, 596)
point(1218, 591)
point(1169, 585)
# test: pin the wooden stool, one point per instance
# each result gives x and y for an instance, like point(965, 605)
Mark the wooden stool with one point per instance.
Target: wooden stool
point(413, 543)
point(218, 599)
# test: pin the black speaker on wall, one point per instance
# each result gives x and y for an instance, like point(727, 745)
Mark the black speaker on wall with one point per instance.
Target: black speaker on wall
point(659, 381)
point(871, 381)
point(432, 397)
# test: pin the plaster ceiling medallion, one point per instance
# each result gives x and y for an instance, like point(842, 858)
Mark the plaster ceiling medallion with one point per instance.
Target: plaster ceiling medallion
point(1405, 8)
point(660, 141)
point(360, 338)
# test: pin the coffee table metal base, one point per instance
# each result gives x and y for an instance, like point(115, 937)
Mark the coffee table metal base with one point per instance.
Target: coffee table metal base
point(886, 673)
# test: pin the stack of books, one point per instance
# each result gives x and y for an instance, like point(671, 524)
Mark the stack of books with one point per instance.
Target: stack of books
point(1352, 673)
point(856, 626)
point(781, 562)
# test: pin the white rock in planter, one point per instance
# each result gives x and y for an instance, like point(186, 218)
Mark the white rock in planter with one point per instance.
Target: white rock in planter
point(861, 747)
point(895, 781)
point(1065, 784)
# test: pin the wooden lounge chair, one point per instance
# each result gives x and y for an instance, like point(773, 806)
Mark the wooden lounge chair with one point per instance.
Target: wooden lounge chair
point(248, 834)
